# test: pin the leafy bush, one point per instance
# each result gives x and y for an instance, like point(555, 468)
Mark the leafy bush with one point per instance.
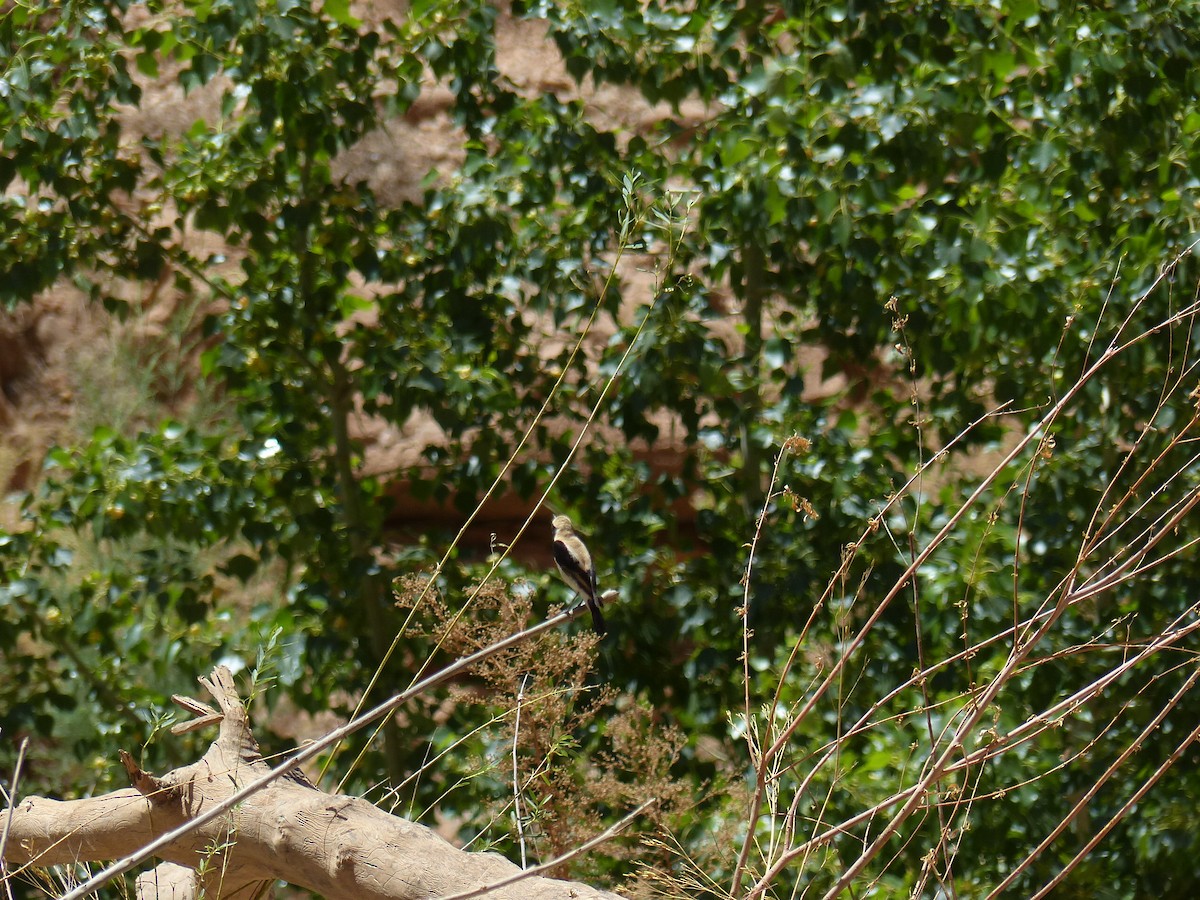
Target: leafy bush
point(905, 235)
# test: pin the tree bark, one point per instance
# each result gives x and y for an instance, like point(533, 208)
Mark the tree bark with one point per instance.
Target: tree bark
point(335, 845)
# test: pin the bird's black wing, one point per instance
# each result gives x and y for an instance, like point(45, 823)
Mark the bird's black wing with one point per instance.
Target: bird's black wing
point(581, 579)
point(566, 561)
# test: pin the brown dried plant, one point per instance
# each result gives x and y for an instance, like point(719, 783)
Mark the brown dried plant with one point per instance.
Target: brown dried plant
point(583, 752)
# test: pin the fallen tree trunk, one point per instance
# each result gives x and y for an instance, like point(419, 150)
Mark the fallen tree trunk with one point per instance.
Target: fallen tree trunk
point(338, 846)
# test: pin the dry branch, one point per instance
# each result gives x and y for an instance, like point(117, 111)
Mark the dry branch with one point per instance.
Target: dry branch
point(336, 845)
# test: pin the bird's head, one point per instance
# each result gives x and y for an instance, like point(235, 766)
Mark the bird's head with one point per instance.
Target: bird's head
point(561, 523)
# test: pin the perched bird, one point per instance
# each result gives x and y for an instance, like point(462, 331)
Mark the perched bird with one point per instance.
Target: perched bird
point(575, 565)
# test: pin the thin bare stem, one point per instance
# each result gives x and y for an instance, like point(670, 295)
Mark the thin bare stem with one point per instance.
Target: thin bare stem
point(836, 672)
point(936, 766)
point(1133, 560)
point(12, 803)
point(516, 774)
point(753, 742)
point(1129, 804)
point(1001, 744)
point(1094, 788)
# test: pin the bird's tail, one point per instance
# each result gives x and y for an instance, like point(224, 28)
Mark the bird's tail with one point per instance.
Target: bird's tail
point(597, 618)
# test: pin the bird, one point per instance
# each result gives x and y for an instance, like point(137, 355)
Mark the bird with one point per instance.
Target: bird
point(576, 567)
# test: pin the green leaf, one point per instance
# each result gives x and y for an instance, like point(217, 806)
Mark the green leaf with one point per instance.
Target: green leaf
point(147, 63)
point(339, 11)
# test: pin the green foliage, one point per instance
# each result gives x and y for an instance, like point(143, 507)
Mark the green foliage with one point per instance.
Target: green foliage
point(940, 197)
point(64, 76)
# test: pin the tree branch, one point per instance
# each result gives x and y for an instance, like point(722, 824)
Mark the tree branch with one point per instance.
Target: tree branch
point(335, 845)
